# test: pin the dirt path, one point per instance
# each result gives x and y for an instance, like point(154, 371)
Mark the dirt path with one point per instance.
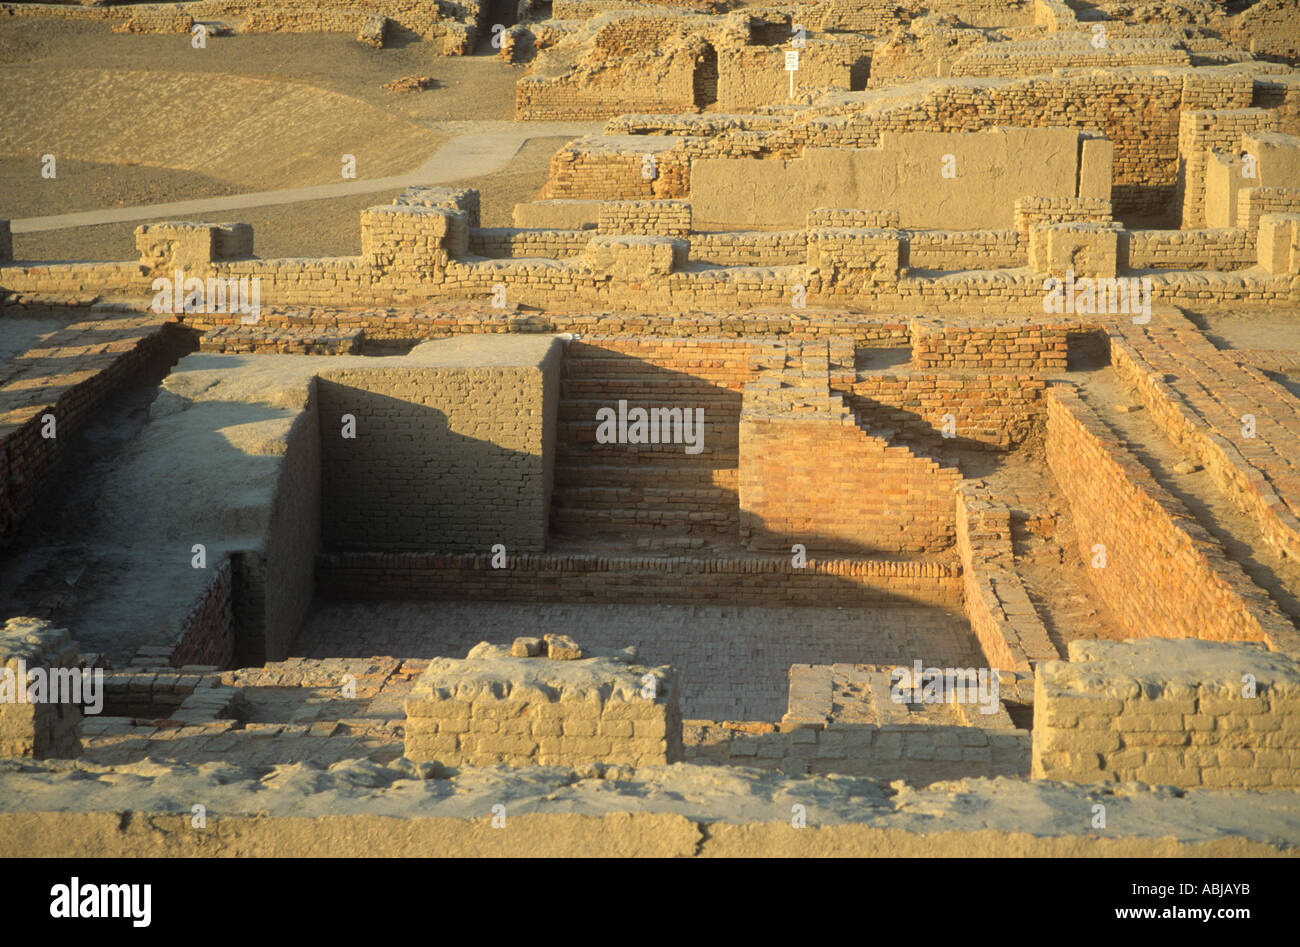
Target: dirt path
point(486, 149)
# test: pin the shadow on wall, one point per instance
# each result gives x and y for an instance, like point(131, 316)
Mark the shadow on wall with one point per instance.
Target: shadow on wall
point(397, 477)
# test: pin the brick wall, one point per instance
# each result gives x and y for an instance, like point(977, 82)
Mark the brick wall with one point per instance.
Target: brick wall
point(276, 581)
point(809, 474)
point(493, 709)
point(449, 458)
point(1164, 575)
point(648, 580)
point(1195, 714)
point(997, 412)
point(1032, 347)
point(208, 633)
point(45, 729)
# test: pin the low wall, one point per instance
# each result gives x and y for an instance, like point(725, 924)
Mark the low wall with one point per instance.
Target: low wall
point(640, 580)
point(1163, 574)
point(496, 708)
point(1197, 714)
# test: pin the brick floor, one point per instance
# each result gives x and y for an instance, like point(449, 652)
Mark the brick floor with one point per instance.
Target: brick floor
point(732, 661)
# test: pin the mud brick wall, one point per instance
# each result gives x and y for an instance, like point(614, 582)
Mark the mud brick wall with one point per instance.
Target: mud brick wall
point(842, 718)
point(455, 458)
point(506, 243)
point(1040, 58)
point(277, 581)
point(917, 754)
point(1281, 94)
point(1201, 131)
point(615, 170)
point(1254, 202)
point(1001, 615)
point(1169, 713)
point(655, 81)
point(1031, 212)
point(998, 412)
point(40, 730)
point(1164, 575)
point(753, 76)
point(1268, 29)
point(852, 217)
point(662, 218)
point(750, 248)
point(1218, 444)
point(1219, 249)
point(493, 709)
point(650, 580)
point(819, 480)
point(1033, 348)
point(208, 633)
point(26, 456)
point(964, 249)
point(426, 19)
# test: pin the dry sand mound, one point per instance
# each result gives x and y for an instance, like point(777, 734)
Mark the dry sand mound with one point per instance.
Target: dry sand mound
point(255, 133)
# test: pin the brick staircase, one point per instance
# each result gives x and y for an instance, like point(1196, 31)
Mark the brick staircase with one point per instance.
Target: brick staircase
point(649, 495)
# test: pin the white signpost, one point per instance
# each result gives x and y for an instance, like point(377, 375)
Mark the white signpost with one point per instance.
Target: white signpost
point(791, 66)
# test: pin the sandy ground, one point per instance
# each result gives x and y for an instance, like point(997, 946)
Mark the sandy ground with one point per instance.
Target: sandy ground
point(148, 119)
point(310, 228)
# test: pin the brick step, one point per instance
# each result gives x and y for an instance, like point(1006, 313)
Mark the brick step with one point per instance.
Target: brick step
point(635, 389)
point(716, 415)
point(650, 475)
point(616, 367)
point(667, 457)
point(638, 496)
point(605, 522)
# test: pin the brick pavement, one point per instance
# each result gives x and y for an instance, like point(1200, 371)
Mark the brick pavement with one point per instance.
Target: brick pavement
point(732, 661)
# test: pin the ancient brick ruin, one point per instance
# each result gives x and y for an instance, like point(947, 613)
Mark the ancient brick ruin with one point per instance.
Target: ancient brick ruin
point(887, 393)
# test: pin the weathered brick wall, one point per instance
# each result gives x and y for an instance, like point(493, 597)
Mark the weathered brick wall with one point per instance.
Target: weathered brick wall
point(630, 167)
point(276, 582)
point(659, 80)
point(1025, 346)
point(26, 456)
point(750, 248)
point(997, 412)
point(208, 633)
point(808, 474)
point(1164, 575)
point(508, 243)
point(1001, 615)
point(449, 458)
point(650, 580)
point(1039, 57)
point(1219, 249)
point(964, 249)
point(1196, 714)
point(492, 709)
point(45, 729)
point(753, 76)
point(663, 218)
point(1201, 131)
point(842, 718)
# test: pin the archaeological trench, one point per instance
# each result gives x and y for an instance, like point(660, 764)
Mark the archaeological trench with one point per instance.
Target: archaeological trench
point(897, 454)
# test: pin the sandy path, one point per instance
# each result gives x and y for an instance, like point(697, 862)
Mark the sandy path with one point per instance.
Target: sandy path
point(487, 148)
